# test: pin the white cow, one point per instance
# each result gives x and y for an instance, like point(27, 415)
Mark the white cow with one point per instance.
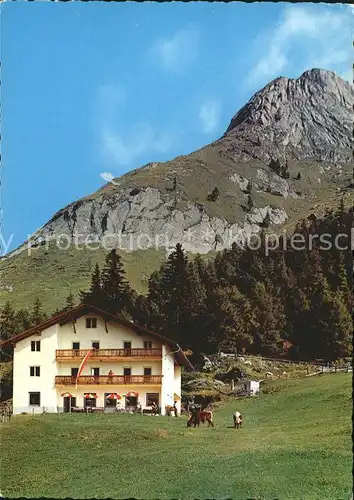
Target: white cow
point(237, 419)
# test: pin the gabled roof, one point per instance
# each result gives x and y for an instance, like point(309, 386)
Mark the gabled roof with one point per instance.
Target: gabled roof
point(76, 312)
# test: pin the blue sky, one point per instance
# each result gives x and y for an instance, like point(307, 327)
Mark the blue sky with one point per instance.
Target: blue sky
point(96, 89)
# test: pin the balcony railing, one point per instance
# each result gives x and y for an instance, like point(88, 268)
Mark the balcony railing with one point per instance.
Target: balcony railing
point(69, 354)
point(109, 380)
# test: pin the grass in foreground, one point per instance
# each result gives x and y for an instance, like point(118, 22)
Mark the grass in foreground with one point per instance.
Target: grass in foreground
point(295, 444)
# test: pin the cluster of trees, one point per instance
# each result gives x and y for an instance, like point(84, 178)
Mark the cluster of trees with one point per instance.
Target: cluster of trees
point(282, 302)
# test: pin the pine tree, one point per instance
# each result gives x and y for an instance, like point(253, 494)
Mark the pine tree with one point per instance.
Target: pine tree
point(95, 295)
point(214, 195)
point(23, 320)
point(37, 315)
point(168, 295)
point(69, 302)
point(266, 221)
point(117, 293)
point(231, 321)
point(270, 320)
point(195, 310)
point(7, 322)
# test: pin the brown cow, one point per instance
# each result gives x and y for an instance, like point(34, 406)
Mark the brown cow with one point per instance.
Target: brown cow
point(199, 416)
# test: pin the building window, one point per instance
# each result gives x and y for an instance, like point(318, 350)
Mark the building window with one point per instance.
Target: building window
point(127, 372)
point(95, 372)
point(108, 402)
point(91, 322)
point(95, 345)
point(35, 345)
point(35, 371)
point(127, 345)
point(147, 372)
point(76, 346)
point(34, 398)
point(152, 398)
point(74, 372)
point(147, 344)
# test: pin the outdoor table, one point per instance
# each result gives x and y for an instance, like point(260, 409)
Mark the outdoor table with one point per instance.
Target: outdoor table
point(76, 409)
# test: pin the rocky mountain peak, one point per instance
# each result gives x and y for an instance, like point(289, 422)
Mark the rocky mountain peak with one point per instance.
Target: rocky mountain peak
point(305, 118)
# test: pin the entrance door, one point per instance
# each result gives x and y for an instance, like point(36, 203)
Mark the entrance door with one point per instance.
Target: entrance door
point(152, 398)
point(67, 403)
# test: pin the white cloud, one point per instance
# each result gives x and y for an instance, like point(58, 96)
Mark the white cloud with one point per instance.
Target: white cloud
point(121, 142)
point(209, 116)
point(124, 148)
point(178, 52)
point(314, 37)
point(108, 177)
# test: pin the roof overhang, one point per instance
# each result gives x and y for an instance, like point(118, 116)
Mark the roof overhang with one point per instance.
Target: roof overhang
point(73, 314)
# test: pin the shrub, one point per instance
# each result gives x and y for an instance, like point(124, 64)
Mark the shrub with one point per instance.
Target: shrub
point(214, 195)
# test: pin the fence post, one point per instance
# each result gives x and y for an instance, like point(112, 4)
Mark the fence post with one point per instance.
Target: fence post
point(322, 368)
point(307, 369)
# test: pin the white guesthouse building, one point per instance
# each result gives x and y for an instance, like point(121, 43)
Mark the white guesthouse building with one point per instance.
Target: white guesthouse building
point(126, 362)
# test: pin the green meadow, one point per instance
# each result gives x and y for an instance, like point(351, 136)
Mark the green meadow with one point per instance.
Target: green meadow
point(295, 445)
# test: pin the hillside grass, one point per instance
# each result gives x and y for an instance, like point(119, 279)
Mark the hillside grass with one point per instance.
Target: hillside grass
point(52, 274)
point(295, 445)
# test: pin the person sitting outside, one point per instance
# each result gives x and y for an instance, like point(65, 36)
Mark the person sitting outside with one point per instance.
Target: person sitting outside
point(154, 408)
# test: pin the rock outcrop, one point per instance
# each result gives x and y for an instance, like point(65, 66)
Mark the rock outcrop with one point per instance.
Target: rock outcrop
point(310, 117)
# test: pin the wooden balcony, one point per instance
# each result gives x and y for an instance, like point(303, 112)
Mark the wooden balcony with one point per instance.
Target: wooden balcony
point(109, 380)
point(108, 354)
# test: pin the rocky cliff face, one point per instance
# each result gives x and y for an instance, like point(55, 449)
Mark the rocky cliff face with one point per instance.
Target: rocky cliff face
point(310, 117)
point(305, 124)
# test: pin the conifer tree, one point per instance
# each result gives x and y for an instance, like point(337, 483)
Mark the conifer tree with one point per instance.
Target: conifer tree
point(117, 293)
point(69, 302)
point(95, 295)
point(7, 321)
point(37, 315)
point(23, 320)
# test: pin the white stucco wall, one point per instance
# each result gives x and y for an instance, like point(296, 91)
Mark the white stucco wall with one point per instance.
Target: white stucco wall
point(168, 382)
point(23, 383)
point(177, 385)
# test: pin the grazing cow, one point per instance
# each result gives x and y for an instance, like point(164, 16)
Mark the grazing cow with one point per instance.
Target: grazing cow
point(237, 419)
point(199, 416)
